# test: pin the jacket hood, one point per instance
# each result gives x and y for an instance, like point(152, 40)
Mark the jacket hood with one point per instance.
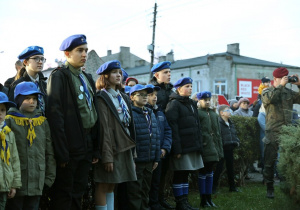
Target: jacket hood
point(175, 96)
point(154, 82)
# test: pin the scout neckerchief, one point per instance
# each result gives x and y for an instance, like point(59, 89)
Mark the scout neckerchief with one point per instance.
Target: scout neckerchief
point(86, 91)
point(4, 145)
point(22, 120)
point(146, 113)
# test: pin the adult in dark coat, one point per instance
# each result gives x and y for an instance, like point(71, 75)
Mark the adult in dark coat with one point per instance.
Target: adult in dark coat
point(3, 89)
point(73, 121)
point(9, 81)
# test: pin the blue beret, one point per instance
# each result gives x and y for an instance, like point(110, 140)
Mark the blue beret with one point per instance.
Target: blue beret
point(109, 65)
point(30, 51)
point(4, 100)
point(183, 81)
point(73, 41)
point(26, 88)
point(160, 66)
point(127, 89)
point(203, 95)
point(156, 88)
point(140, 87)
point(125, 75)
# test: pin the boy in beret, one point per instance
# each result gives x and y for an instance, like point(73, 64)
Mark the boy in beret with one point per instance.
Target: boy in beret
point(147, 147)
point(212, 147)
point(9, 162)
point(278, 102)
point(33, 62)
point(34, 146)
point(162, 78)
point(73, 121)
point(165, 146)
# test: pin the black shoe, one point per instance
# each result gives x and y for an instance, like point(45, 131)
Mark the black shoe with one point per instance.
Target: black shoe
point(270, 194)
point(164, 203)
point(233, 189)
point(180, 203)
point(204, 203)
point(208, 198)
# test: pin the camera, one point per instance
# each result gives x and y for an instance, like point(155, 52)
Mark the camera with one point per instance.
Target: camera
point(292, 79)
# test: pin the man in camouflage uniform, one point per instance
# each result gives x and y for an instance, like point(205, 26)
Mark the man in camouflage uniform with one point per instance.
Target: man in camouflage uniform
point(278, 102)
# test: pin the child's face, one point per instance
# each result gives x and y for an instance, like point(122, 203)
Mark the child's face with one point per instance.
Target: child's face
point(163, 76)
point(140, 98)
point(115, 77)
point(185, 90)
point(226, 113)
point(152, 98)
point(32, 65)
point(29, 104)
point(2, 112)
point(205, 103)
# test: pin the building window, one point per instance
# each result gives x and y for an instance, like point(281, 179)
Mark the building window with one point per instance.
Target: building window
point(220, 87)
point(198, 86)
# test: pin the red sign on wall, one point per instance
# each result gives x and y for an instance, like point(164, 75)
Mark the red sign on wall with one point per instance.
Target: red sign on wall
point(248, 88)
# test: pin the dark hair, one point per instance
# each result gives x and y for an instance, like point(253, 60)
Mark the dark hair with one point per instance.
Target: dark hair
point(222, 107)
point(103, 83)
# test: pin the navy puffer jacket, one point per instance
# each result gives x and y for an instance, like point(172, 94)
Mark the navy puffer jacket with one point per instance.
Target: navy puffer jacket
point(147, 148)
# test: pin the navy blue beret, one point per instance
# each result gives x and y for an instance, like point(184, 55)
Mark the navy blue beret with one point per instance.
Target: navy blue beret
point(156, 88)
point(140, 87)
point(73, 41)
point(265, 79)
point(160, 66)
point(183, 81)
point(125, 75)
point(203, 95)
point(30, 51)
point(109, 65)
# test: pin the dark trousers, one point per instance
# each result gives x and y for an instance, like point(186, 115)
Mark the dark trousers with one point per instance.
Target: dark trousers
point(3, 198)
point(228, 158)
point(71, 181)
point(164, 177)
point(153, 194)
point(23, 203)
point(270, 158)
point(138, 191)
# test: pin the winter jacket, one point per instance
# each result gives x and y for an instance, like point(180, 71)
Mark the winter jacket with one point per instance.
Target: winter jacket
point(243, 112)
point(182, 116)
point(211, 139)
point(10, 175)
point(262, 120)
point(3, 89)
point(147, 147)
point(228, 134)
point(64, 117)
point(165, 131)
point(38, 166)
point(26, 78)
point(113, 136)
point(163, 94)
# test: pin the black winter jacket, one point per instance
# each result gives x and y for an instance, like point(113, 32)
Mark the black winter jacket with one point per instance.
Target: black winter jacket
point(228, 134)
point(147, 148)
point(163, 94)
point(182, 115)
point(3, 89)
point(64, 118)
point(26, 78)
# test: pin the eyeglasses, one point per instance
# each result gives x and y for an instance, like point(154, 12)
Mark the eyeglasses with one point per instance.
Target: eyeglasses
point(142, 95)
point(227, 110)
point(38, 59)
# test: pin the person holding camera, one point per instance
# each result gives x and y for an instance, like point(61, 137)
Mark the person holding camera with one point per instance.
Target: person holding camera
point(278, 102)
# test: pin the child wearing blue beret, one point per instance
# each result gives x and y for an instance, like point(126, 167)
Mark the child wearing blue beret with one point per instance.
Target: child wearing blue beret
point(182, 116)
point(147, 147)
point(165, 147)
point(33, 62)
point(213, 149)
point(34, 145)
point(10, 173)
point(117, 135)
point(74, 124)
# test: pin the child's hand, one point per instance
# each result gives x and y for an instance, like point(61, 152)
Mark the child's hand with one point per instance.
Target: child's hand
point(109, 167)
point(95, 160)
point(163, 153)
point(155, 164)
point(11, 193)
point(177, 156)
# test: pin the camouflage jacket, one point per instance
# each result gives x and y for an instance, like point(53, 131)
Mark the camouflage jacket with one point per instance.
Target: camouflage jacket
point(278, 102)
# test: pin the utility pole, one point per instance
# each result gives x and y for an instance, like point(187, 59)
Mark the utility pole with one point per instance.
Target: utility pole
point(151, 47)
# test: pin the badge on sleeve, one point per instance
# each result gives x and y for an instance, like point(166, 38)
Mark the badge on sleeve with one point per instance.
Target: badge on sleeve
point(80, 96)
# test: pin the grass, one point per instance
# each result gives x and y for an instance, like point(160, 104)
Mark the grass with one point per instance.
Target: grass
point(252, 196)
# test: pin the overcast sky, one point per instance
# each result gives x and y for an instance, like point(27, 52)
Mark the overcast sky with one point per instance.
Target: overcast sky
point(266, 29)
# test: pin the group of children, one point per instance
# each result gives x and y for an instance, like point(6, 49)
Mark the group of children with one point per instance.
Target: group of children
point(136, 137)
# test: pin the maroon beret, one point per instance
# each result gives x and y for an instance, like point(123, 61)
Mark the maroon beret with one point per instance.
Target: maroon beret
point(280, 72)
point(243, 100)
